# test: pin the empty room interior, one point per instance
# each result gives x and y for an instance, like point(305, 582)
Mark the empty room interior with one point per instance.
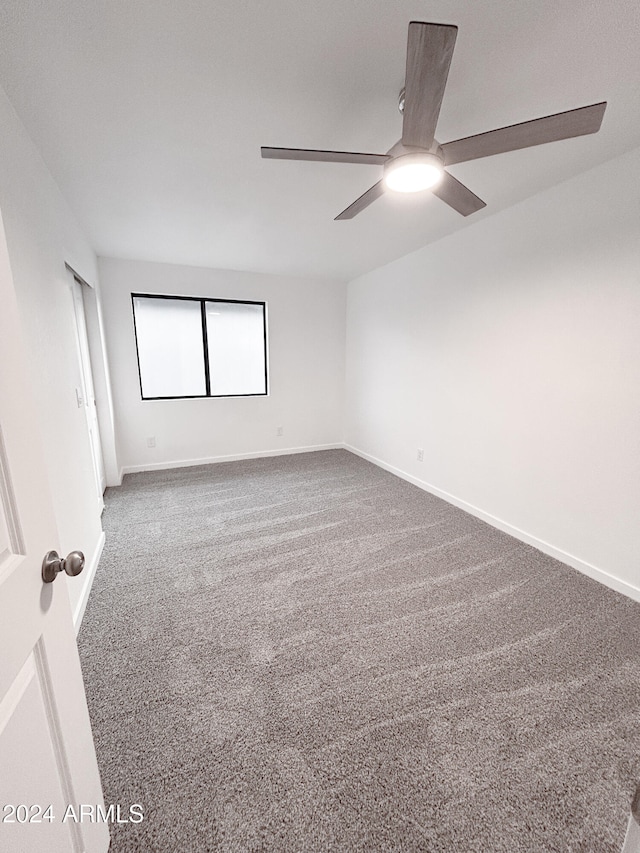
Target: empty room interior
point(319, 426)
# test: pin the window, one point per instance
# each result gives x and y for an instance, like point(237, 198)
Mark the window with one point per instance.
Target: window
point(190, 347)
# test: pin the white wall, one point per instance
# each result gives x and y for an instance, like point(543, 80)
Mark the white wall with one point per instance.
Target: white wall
point(306, 320)
point(41, 236)
point(510, 352)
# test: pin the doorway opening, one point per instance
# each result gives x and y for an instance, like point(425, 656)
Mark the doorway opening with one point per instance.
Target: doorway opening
point(85, 394)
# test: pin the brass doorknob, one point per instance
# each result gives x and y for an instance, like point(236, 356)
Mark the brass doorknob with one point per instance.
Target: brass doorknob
point(73, 564)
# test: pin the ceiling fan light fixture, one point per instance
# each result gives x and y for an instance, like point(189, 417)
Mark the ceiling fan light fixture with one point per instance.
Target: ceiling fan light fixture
point(411, 173)
point(416, 161)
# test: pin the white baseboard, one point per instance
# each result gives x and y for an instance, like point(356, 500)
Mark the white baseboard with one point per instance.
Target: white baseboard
point(87, 575)
point(588, 569)
point(235, 457)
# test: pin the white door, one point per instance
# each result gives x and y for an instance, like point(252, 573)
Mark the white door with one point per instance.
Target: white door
point(47, 756)
point(87, 397)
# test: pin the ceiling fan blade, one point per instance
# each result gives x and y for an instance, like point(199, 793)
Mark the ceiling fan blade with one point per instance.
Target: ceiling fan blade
point(457, 196)
point(323, 156)
point(364, 201)
point(564, 125)
point(429, 53)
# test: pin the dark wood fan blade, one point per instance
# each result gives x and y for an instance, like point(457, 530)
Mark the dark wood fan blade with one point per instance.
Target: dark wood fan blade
point(565, 125)
point(429, 53)
point(364, 201)
point(323, 156)
point(457, 196)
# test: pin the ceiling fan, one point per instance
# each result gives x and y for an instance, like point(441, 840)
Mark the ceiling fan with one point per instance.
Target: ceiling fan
point(417, 161)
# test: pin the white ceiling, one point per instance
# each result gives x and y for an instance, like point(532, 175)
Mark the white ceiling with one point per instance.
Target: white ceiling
point(150, 115)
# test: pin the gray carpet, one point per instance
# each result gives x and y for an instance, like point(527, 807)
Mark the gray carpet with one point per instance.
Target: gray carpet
point(306, 653)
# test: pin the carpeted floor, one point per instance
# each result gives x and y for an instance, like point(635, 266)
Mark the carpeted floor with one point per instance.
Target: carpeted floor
point(306, 653)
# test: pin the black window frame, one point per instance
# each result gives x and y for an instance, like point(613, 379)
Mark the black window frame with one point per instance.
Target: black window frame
point(207, 372)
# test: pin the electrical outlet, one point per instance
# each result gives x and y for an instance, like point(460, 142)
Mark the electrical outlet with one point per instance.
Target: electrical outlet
point(151, 441)
point(420, 455)
point(280, 431)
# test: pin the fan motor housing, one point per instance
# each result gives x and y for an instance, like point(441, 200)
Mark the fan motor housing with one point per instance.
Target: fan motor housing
point(418, 157)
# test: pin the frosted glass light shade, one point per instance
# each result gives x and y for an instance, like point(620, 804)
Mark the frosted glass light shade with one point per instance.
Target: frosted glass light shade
point(411, 173)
